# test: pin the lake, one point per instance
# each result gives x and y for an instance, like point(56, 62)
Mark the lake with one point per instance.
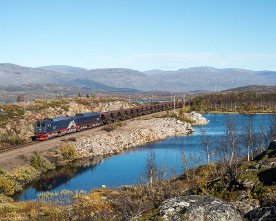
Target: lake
point(129, 168)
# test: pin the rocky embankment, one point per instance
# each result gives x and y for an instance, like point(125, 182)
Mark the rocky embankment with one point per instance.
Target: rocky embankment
point(134, 133)
point(197, 118)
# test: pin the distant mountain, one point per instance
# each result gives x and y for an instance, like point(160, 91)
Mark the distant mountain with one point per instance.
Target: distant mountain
point(11, 74)
point(209, 78)
point(90, 84)
point(122, 79)
point(153, 72)
point(63, 69)
point(14, 75)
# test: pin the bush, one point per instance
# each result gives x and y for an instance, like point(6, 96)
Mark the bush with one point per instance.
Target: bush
point(40, 163)
point(67, 153)
point(11, 183)
point(24, 175)
point(7, 186)
point(7, 139)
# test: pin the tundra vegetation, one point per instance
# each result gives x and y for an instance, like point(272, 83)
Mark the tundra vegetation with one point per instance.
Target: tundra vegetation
point(235, 177)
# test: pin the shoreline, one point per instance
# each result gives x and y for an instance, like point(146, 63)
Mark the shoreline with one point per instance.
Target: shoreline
point(131, 135)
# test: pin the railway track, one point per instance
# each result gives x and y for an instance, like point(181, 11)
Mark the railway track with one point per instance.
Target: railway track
point(14, 147)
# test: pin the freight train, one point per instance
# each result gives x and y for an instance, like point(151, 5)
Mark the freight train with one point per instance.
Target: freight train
point(53, 127)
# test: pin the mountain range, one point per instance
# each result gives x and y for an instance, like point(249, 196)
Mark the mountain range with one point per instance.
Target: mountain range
point(124, 80)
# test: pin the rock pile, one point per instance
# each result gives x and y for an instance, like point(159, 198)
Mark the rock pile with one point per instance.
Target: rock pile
point(135, 133)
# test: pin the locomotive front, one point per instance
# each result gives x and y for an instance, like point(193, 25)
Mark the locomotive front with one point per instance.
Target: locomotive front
point(40, 129)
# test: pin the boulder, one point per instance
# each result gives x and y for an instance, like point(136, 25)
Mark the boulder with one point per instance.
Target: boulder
point(264, 213)
point(245, 205)
point(198, 208)
point(272, 145)
point(268, 177)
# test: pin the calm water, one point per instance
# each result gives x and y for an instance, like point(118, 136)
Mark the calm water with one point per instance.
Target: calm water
point(129, 168)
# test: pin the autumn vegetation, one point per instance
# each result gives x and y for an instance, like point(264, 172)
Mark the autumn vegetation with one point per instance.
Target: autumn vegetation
point(242, 102)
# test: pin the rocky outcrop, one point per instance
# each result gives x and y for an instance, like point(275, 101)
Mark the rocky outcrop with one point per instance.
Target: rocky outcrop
point(197, 118)
point(198, 208)
point(134, 133)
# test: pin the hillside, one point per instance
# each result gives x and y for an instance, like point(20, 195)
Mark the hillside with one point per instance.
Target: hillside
point(190, 79)
point(27, 79)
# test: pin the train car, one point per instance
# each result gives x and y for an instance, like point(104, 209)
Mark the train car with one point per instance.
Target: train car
point(51, 127)
point(88, 120)
point(108, 117)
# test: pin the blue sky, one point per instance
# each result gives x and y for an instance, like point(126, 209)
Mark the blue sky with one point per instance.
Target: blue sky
point(139, 34)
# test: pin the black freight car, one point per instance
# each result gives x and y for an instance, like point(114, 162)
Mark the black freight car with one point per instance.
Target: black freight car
point(88, 120)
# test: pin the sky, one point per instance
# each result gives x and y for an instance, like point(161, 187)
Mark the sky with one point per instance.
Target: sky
point(139, 34)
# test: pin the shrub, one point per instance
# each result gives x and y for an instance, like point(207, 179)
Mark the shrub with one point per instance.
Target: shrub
point(66, 153)
point(40, 163)
point(24, 175)
point(7, 185)
point(11, 139)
